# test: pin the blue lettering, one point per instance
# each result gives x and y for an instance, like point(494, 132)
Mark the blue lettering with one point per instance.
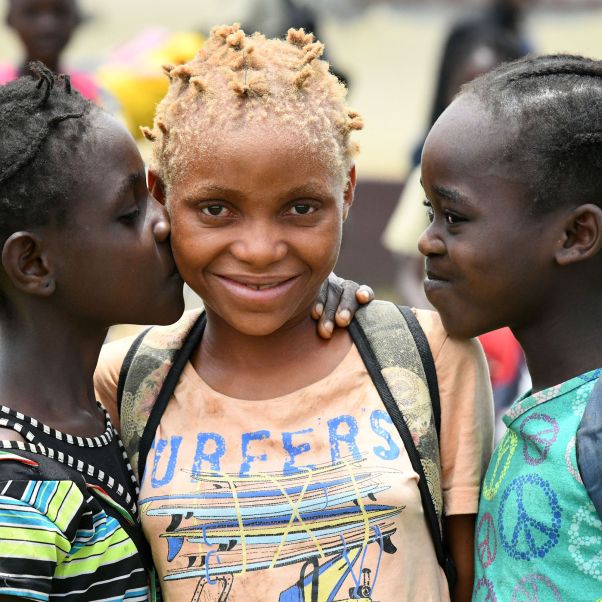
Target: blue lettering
point(247, 459)
point(202, 455)
point(294, 451)
point(392, 452)
point(337, 438)
point(171, 463)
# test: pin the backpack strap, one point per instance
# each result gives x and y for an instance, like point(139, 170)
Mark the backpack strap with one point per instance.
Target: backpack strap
point(398, 358)
point(143, 372)
point(169, 384)
point(589, 446)
point(125, 367)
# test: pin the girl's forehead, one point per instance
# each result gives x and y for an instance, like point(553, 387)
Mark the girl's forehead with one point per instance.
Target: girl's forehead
point(468, 130)
point(268, 142)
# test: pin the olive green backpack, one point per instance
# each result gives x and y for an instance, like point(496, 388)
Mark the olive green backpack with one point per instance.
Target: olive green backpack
point(396, 354)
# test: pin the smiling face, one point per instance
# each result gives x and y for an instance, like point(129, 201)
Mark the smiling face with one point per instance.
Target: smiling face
point(256, 228)
point(112, 258)
point(44, 26)
point(489, 261)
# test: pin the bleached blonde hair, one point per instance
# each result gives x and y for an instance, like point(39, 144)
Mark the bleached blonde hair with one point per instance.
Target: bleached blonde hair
point(237, 80)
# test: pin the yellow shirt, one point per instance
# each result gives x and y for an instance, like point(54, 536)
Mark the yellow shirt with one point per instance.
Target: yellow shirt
point(308, 496)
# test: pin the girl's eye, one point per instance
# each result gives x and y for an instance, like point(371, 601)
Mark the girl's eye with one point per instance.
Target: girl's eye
point(302, 209)
point(131, 217)
point(214, 210)
point(453, 219)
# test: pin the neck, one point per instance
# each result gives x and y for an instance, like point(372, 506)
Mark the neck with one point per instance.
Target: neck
point(46, 371)
point(266, 366)
point(564, 342)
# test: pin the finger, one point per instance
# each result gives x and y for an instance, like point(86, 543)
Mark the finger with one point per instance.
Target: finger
point(364, 294)
point(318, 308)
point(348, 304)
point(327, 319)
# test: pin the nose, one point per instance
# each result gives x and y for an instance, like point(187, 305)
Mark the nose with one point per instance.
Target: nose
point(260, 244)
point(430, 243)
point(161, 225)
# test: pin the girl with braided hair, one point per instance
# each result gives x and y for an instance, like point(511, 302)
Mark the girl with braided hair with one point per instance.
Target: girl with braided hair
point(76, 219)
point(84, 246)
point(512, 172)
point(270, 468)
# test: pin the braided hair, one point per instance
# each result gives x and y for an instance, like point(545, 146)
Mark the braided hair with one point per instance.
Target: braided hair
point(236, 80)
point(554, 105)
point(42, 123)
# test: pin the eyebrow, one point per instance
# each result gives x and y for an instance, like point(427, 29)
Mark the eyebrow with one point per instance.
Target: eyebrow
point(130, 182)
point(450, 194)
point(218, 190)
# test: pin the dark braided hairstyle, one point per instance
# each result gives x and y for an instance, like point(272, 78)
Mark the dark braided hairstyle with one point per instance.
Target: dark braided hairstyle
point(42, 121)
point(553, 104)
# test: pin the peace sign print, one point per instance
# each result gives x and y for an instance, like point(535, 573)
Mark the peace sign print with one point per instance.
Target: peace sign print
point(570, 458)
point(486, 540)
point(539, 432)
point(483, 591)
point(522, 534)
point(500, 462)
point(536, 588)
point(585, 541)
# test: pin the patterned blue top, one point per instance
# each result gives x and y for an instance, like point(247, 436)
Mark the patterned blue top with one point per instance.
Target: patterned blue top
point(539, 536)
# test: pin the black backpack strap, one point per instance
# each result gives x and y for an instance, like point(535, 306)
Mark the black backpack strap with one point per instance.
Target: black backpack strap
point(589, 447)
point(377, 339)
point(169, 384)
point(428, 363)
point(125, 367)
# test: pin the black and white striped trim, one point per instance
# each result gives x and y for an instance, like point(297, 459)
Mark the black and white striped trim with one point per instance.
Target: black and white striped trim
point(100, 441)
point(82, 467)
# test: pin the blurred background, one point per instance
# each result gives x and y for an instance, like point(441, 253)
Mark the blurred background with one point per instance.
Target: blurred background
point(389, 52)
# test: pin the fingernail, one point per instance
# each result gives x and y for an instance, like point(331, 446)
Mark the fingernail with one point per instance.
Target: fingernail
point(365, 293)
point(319, 309)
point(329, 327)
point(345, 315)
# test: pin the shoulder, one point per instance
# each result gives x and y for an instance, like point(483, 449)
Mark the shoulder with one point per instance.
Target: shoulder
point(461, 366)
point(466, 413)
point(106, 375)
point(446, 348)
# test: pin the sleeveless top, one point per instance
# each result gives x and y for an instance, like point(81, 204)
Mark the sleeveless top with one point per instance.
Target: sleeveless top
point(69, 525)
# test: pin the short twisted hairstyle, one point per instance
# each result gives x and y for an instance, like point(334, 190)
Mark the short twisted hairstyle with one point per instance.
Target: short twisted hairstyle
point(42, 124)
point(237, 80)
point(555, 104)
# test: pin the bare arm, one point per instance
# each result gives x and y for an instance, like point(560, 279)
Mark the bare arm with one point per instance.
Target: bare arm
point(459, 530)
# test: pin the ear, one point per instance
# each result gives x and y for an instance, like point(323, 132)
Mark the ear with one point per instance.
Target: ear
point(25, 262)
point(349, 192)
point(156, 187)
point(582, 236)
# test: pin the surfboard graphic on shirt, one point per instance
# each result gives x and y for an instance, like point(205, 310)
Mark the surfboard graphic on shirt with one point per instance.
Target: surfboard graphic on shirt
point(323, 518)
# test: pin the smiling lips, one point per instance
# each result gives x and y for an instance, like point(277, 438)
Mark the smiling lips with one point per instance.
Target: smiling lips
point(257, 288)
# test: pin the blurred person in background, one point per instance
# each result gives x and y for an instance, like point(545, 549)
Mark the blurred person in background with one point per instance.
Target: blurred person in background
point(476, 53)
point(45, 28)
point(501, 19)
point(275, 17)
